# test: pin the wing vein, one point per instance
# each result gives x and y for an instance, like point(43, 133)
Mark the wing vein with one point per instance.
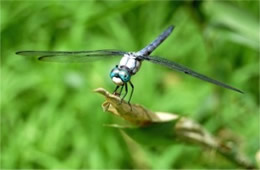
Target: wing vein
point(175, 66)
point(71, 56)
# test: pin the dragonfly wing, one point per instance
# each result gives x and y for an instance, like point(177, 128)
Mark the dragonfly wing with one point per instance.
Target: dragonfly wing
point(71, 56)
point(175, 66)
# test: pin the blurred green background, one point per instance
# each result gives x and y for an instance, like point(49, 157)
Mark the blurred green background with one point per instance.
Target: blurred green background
point(50, 118)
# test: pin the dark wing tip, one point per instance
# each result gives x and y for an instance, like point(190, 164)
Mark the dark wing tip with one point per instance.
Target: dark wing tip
point(240, 91)
point(42, 58)
point(18, 52)
point(235, 89)
point(52, 58)
point(24, 53)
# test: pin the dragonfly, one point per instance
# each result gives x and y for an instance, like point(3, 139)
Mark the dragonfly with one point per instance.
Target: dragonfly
point(129, 64)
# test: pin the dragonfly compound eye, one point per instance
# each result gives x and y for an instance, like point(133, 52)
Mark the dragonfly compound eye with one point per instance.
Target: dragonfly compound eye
point(114, 72)
point(124, 75)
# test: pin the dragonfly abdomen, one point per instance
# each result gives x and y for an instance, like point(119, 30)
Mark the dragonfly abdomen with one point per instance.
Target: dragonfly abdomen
point(153, 45)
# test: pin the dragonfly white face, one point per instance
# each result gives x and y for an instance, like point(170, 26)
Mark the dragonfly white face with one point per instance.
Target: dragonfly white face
point(118, 81)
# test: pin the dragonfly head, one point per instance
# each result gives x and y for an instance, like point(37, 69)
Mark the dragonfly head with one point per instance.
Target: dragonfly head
point(120, 75)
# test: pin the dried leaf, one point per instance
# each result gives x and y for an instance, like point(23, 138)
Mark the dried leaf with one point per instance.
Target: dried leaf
point(165, 128)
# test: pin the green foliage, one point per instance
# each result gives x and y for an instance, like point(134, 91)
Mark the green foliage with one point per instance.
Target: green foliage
point(162, 134)
point(51, 119)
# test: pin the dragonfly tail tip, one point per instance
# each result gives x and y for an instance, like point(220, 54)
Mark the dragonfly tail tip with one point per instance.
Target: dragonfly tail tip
point(171, 27)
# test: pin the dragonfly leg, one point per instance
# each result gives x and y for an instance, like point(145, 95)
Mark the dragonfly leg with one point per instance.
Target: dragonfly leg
point(121, 90)
point(131, 84)
point(116, 89)
point(115, 93)
point(126, 91)
point(131, 94)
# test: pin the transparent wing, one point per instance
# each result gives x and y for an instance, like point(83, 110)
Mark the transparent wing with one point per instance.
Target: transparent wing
point(71, 56)
point(178, 67)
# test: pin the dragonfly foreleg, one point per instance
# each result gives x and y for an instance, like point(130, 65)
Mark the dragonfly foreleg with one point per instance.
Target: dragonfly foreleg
point(120, 91)
point(115, 93)
point(116, 89)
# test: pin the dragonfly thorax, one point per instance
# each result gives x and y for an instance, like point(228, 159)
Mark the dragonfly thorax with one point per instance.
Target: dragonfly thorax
point(131, 62)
